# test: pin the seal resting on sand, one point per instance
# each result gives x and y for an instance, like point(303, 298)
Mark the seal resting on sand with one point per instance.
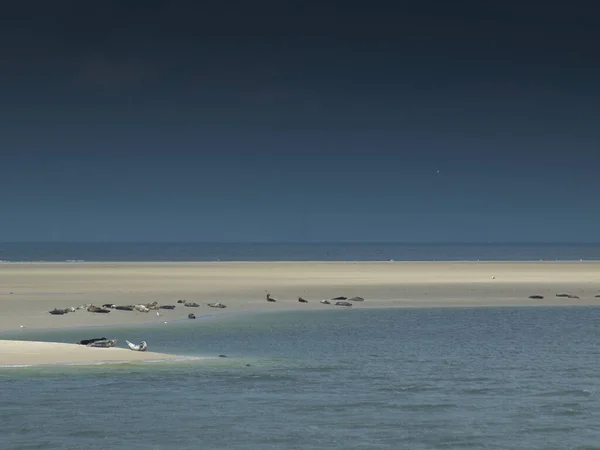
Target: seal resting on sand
point(89, 341)
point(191, 316)
point(58, 312)
point(326, 302)
point(97, 309)
point(302, 300)
point(340, 298)
point(356, 299)
point(124, 308)
point(103, 344)
point(270, 299)
point(566, 295)
point(216, 305)
point(343, 304)
point(137, 348)
point(536, 297)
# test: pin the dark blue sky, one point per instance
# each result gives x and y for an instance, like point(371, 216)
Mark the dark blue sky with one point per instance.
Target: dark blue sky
point(300, 121)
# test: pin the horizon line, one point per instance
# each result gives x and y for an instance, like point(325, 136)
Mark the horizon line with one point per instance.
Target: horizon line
point(366, 242)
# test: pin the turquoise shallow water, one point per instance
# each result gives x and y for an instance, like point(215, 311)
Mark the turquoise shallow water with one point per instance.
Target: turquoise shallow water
point(482, 378)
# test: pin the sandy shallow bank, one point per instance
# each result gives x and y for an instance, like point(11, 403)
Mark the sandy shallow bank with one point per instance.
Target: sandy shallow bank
point(29, 290)
point(14, 353)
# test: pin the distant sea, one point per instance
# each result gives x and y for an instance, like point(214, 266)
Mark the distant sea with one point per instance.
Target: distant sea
point(194, 251)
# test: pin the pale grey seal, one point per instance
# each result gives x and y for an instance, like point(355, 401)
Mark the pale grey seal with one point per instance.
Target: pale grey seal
point(216, 305)
point(343, 304)
point(137, 348)
point(103, 344)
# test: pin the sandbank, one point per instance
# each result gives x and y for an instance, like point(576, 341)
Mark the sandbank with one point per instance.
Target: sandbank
point(25, 353)
point(29, 290)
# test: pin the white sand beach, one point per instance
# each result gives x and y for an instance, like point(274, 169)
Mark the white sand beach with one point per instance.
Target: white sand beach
point(17, 353)
point(29, 290)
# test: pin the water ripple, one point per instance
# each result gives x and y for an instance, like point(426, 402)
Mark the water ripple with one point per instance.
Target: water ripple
point(435, 379)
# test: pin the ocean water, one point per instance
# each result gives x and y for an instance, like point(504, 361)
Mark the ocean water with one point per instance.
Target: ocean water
point(438, 378)
point(60, 251)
